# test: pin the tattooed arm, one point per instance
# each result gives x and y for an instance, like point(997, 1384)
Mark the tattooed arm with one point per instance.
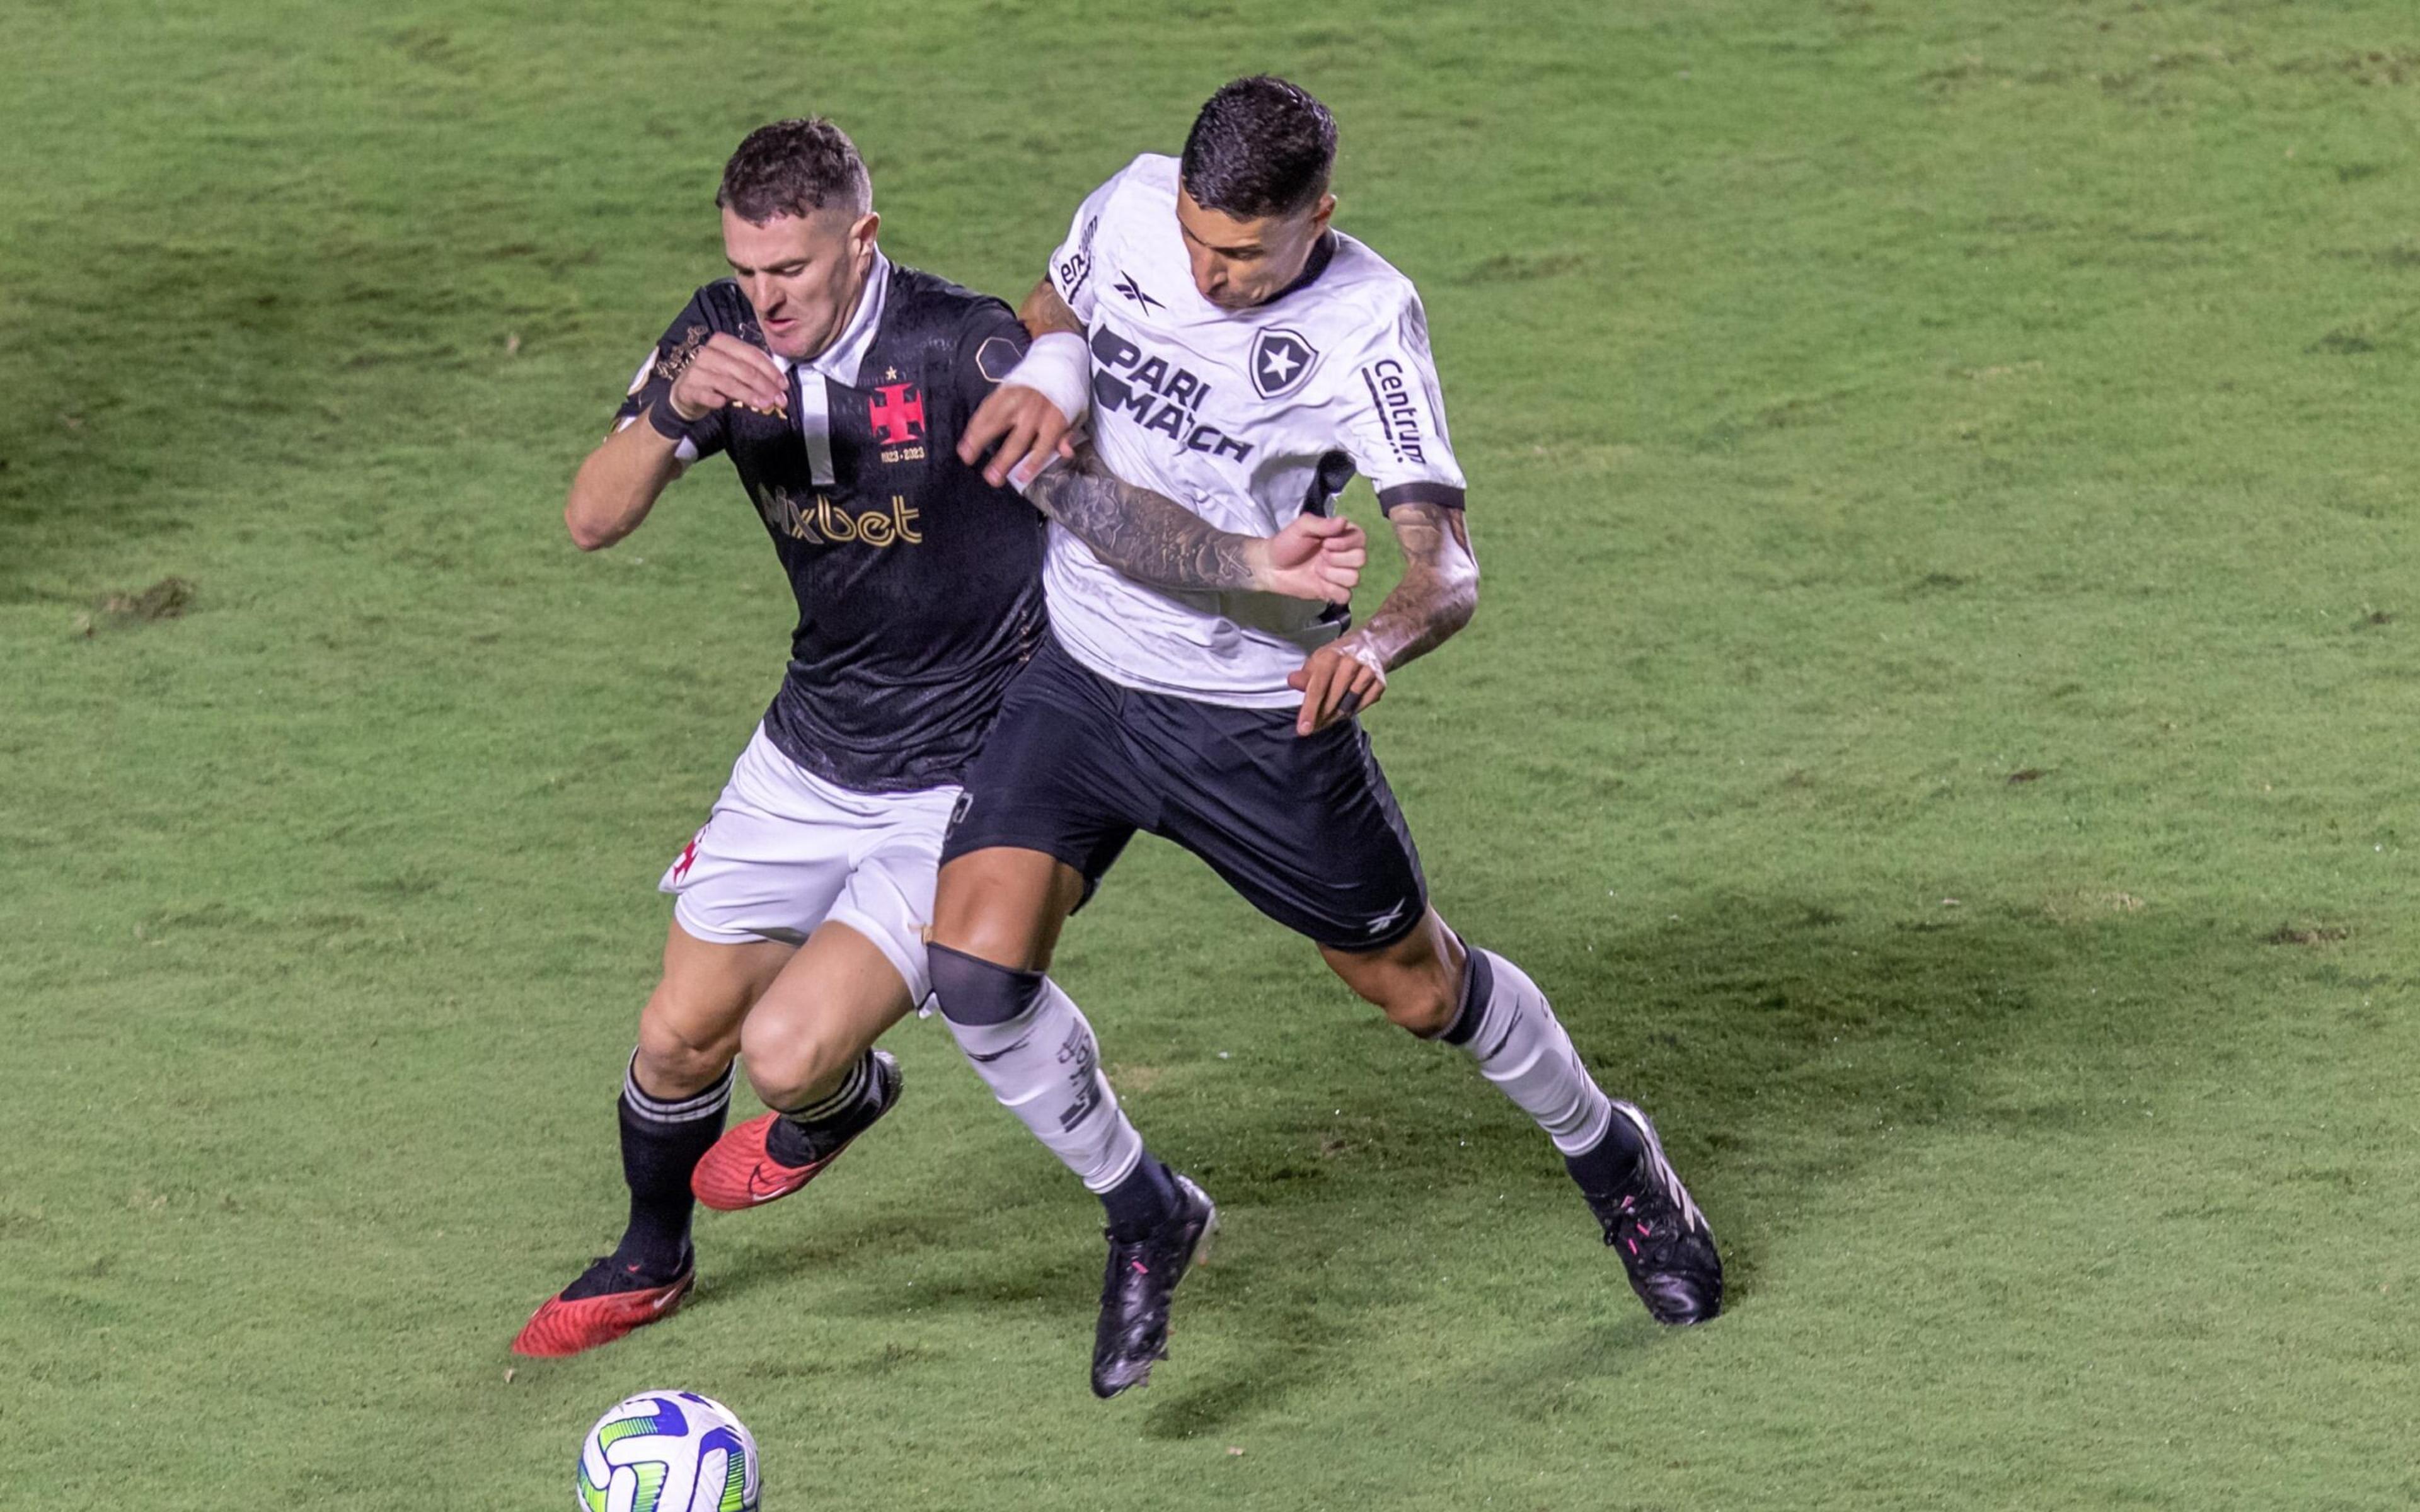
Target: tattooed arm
point(1157, 541)
point(1437, 596)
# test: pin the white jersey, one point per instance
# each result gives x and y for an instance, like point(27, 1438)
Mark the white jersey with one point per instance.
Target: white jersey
point(1248, 418)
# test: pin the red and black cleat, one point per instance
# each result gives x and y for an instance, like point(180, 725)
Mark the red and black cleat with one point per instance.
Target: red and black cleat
point(743, 1171)
point(566, 1324)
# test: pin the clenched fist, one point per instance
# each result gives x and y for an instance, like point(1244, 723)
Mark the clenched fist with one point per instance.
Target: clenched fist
point(728, 371)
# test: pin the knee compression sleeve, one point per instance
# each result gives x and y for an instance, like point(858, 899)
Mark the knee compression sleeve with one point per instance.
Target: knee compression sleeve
point(1030, 1043)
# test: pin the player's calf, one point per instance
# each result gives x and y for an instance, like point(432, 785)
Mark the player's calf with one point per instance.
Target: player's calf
point(650, 1270)
point(663, 1139)
point(1610, 1149)
point(1485, 1006)
point(1034, 1048)
point(676, 1091)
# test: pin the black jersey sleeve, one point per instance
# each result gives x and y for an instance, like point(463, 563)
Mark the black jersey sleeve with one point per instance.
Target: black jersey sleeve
point(990, 342)
point(700, 319)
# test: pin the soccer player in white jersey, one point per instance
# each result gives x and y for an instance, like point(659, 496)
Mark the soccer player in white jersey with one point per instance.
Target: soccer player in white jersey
point(1240, 356)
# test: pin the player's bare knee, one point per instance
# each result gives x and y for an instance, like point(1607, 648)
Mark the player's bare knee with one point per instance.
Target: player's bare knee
point(791, 1062)
point(987, 939)
point(968, 916)
point(675, 1061)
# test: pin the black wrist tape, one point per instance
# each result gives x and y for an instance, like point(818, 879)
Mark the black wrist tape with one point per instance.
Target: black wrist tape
point(668, 425)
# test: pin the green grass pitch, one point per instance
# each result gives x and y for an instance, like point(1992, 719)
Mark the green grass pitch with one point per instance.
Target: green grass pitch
point(1940, 722)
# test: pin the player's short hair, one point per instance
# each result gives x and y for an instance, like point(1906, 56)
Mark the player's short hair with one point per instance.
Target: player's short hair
point(1260, 147)
point(792, 167)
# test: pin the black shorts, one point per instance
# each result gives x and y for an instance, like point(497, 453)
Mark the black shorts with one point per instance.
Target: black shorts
point(1303, 827)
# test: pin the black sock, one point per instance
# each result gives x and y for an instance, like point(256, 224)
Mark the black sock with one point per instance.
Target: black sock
point(1611, 1167)
point(662, 1141)
point(802, 1136)
point(1140, 1203)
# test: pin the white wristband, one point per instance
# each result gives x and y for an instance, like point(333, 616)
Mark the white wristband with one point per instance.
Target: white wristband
point(1059, 367)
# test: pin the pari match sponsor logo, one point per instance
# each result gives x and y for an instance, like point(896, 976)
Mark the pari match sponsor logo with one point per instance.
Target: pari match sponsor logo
point(1160, 395)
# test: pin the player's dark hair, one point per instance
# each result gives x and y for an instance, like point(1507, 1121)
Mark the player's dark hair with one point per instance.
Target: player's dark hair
point(793, 166)
point(1260, 147)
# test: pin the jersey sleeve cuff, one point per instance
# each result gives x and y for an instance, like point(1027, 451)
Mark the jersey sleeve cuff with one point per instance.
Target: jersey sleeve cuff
point(1445, 496)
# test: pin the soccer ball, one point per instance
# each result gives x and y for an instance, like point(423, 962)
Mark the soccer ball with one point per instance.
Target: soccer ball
point(667, 1451)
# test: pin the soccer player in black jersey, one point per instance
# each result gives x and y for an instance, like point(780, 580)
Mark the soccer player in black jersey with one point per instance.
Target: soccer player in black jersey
point(837, 381)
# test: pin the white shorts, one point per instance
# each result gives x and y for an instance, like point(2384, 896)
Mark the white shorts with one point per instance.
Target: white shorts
point(785, 851)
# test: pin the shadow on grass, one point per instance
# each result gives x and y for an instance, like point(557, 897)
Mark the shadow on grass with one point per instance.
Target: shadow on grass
point(855, 1266)
point(287, 357)
point(1782, 1044)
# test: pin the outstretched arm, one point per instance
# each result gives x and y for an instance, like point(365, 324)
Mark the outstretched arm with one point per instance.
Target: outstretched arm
point(1437, 596)
point(1154, 540)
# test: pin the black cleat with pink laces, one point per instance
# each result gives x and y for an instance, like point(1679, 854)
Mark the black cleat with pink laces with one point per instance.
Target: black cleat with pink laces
point(1134, 1292)
point(1661, 1236)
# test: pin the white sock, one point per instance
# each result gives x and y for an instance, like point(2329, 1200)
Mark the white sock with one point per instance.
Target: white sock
point(1045, 1067)
point(1519, 1044)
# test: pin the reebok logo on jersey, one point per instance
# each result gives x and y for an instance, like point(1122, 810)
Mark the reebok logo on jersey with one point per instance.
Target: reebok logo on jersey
point(1132, 290)
point(1399, 416)
point(1281, 359)
point(1159, 397)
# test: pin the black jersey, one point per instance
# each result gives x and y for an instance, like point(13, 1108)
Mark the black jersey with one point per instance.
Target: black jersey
point(918, 585)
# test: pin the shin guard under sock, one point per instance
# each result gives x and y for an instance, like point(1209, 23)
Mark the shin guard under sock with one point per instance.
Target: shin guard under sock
point(1507, 1025)
point(1032, 1046)
point(663, 1140)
